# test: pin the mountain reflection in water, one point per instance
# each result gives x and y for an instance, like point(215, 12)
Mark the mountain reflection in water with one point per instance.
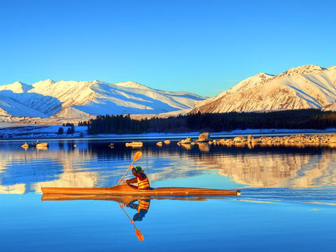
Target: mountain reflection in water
point(93, 164)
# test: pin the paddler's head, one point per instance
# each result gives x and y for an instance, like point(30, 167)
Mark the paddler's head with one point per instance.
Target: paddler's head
point(136, 170)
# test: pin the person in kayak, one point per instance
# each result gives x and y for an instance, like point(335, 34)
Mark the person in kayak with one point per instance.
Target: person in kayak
point(140, 178)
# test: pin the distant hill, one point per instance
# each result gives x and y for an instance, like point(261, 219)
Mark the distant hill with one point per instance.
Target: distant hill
point(83, 99)
point(303, 87)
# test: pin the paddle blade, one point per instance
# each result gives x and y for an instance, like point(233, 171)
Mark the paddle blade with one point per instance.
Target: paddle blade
point(139, 235)
point(137, 156)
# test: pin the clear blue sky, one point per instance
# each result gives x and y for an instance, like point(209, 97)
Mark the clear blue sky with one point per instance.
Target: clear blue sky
point(200, 46)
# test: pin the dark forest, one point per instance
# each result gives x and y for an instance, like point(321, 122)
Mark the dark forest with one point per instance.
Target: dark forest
point(290, 119)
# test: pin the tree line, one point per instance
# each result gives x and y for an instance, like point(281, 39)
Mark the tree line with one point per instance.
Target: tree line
point(70, 130)
point(290, 119)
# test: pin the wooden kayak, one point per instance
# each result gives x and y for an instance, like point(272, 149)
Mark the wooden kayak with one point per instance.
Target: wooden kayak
point(123, 199)
point(127, 190)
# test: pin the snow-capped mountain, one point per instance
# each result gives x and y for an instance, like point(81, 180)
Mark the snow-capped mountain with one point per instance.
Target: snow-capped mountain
point(298, 88)
point(303, 87)
point(82, 99)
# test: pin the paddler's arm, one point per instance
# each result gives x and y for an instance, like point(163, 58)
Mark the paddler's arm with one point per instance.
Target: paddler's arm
point(131, 205)
point(131, 181)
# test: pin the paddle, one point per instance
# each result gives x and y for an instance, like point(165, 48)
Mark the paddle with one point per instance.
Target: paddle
point(137, 231)
point(136, 157)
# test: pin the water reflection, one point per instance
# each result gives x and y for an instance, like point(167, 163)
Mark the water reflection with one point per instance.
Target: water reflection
point(140, 204)
point(94, 164)
point(142, 208)
point(278, 169)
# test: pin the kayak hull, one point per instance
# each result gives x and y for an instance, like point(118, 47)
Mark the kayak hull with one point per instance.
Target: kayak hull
point(127, 190)
point(123, 199)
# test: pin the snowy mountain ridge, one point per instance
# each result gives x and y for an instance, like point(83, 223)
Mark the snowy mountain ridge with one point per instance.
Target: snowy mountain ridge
point(302, 87)
point(79, 99)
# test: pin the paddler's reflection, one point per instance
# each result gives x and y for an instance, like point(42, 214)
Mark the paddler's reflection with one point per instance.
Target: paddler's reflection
point(142, 207)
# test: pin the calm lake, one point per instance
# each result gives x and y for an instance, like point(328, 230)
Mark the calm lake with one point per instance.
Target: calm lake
point(288, 200)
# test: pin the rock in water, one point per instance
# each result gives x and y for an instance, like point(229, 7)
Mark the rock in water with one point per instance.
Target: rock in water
point(239, 139)
point(186, 141)
point(204, 137)
point(332, 139)
point(250, 139)
point(134, 144)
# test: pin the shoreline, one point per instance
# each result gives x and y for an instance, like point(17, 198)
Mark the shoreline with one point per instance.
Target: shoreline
point(33, 132)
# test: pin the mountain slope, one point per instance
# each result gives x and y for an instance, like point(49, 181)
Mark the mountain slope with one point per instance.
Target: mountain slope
point(80, 99)
point(298, 88)
point(12, 107)
point(71, 113)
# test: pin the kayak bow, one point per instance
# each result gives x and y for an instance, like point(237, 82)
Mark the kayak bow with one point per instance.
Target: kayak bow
point(127, 190)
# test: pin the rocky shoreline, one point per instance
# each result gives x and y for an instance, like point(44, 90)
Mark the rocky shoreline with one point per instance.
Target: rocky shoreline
point(300, 140)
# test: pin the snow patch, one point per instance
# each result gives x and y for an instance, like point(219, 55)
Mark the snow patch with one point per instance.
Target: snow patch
point(16, 87)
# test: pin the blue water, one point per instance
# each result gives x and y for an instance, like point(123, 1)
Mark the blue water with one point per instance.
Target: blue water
point(288, 200)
